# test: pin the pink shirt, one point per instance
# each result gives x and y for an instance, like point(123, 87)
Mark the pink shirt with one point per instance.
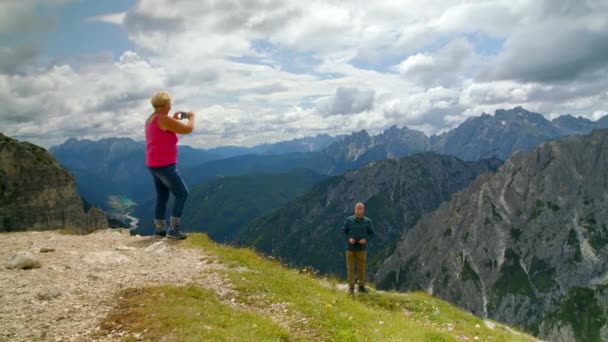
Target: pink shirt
point(161, 146)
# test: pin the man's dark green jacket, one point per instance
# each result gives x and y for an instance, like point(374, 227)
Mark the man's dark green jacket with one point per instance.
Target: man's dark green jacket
point(358, 228)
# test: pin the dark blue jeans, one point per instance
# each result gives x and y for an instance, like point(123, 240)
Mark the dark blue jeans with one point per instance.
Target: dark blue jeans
point(167, 179)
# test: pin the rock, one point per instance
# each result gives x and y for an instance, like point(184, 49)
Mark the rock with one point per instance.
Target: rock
point(559, 333)
point(104, 258)
point(48, 294)
point(23, 260)
point(94, 277)
point(38, 193)
point(125, 248)
point(157, 248)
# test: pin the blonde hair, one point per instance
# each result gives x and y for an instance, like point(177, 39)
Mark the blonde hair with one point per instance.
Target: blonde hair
point(160, 99)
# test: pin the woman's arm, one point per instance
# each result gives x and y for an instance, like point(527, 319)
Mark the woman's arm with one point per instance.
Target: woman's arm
point(174, 125)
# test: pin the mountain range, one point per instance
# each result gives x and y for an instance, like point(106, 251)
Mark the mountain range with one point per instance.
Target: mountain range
point(507, 131)
point(306, 144)
point(527, 245)
point(396, 192)
point(115, 166)
point(121, 170)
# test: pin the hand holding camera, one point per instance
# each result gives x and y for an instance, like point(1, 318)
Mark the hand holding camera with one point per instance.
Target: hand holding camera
point(183, 115)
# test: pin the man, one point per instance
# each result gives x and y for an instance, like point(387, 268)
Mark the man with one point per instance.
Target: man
point(358, 230)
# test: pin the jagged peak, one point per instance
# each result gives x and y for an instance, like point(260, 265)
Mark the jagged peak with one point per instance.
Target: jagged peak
point(361, 133)
point(518, 112)
point(393, 128)
point(570, 117)
point(72, 140)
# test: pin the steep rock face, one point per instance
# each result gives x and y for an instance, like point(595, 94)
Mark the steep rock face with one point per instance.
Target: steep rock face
point(527, 245)
point(37, 193)
point(396, 193)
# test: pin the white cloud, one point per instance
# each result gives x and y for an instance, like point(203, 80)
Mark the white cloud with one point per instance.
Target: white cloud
point(561, 43)
point(24, 26)
point(446, 66)
point(348, 101)
point(259, 71)
point(111, 18)
point(495, 18)
point(97, 101)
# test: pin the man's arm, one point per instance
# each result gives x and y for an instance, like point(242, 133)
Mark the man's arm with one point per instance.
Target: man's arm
point(371, 230)
point(346, 231)
point(370, 233)
point(172, 124)
point(346, 227)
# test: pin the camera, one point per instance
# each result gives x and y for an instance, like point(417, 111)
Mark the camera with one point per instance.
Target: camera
point(182, 115)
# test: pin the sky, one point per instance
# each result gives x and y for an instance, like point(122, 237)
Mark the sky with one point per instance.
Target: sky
point(262, 71)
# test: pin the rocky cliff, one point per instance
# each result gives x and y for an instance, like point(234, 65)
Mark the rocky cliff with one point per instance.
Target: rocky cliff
point(37, 193)
point(527, 245)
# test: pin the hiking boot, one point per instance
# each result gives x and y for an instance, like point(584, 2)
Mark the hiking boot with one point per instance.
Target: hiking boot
point(351, 290)
point(176, 233)
point(160, 232)
point(362, 289)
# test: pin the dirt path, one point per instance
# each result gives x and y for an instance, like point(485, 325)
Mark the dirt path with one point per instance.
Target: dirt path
point(67, 297)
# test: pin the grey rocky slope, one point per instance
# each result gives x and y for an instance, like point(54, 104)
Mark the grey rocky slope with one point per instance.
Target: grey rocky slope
point(396, 192)
point(37, 193)
point(527, 245)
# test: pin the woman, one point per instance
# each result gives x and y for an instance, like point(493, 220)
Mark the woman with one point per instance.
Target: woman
point(161, 159)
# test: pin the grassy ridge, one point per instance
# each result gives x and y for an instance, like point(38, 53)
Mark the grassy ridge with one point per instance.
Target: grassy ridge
point(274, 303)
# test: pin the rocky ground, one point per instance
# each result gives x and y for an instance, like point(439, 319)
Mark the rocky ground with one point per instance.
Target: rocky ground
point(74, 288)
